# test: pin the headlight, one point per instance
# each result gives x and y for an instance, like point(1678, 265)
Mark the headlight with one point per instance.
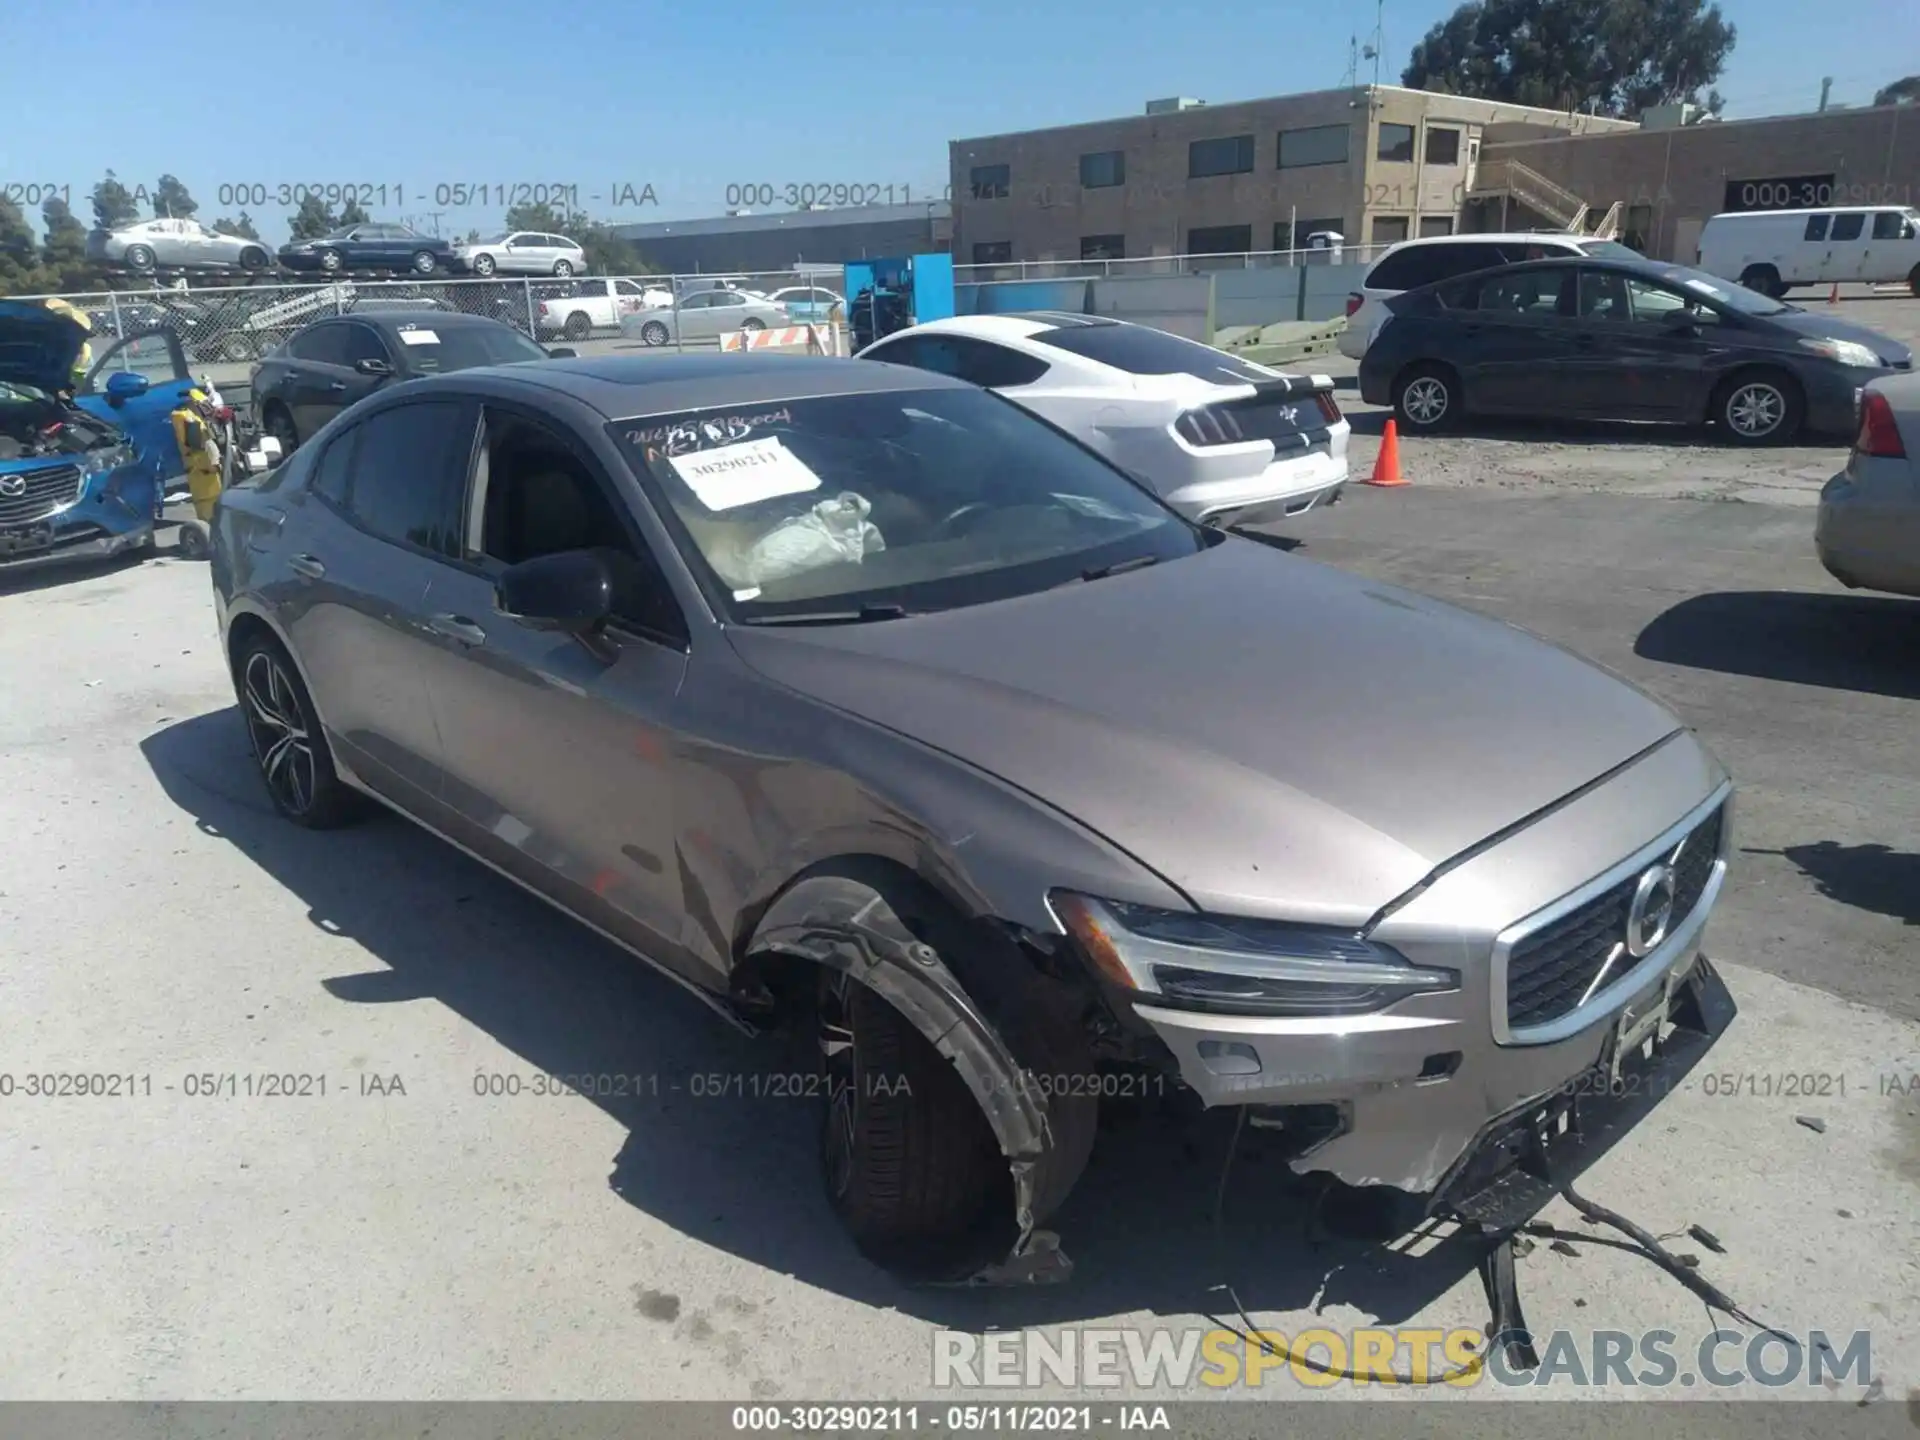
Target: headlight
point(1847, 352)
point(97, 462)
point(1247, 967)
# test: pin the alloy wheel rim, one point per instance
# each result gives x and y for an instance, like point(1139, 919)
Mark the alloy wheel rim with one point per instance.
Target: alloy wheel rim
point(279, 734)
point(1426, 401)
point(1756, 410)
point(654, 334)
point(840, 1056)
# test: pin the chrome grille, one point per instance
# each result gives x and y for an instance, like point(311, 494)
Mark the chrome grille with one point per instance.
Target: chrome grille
point(1549, 971)
point(46, 491)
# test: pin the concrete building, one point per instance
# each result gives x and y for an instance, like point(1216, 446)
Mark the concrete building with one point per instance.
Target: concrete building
point(1374, 163)
point(763, 243)
point(1669, 176)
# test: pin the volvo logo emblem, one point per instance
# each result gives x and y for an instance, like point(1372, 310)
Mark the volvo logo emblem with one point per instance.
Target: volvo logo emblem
point(13, 486)
point(1651, 911)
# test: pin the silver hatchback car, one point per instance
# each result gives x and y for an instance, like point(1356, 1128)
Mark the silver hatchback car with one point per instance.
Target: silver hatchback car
point(856, 697)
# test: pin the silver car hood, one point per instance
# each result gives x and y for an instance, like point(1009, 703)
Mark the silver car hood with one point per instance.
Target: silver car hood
point(1272, 736)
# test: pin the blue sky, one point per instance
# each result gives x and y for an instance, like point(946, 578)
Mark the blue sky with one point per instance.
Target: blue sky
point(613, 98)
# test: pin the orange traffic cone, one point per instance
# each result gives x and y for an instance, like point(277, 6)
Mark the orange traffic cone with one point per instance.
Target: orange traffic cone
point(1386, 465)
point(1833, 295)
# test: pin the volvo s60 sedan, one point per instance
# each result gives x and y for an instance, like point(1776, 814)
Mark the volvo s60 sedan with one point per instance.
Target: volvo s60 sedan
point(855, 695)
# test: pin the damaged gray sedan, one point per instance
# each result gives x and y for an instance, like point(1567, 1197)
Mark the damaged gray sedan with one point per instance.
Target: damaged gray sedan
point(855, 697)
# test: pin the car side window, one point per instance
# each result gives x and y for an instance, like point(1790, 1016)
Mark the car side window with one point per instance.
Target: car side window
point(361, 342)
point(331, 472)
point(323, 344)
point(1817, 227)
point(904, 351)
point(409, 473)
point(1888, 224)
point(1848, 227)
point(627, 287)
point(1411, 268)
point(537, 494)
point(1528, 295)
point(994, 366)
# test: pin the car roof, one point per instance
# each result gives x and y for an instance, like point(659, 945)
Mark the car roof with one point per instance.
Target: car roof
point(1012, 325)
point(398, 315)
point(1495, 237)
point(1809, 210)
point(625, 387)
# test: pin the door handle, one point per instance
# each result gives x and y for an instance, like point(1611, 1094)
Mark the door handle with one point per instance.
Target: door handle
point(307, 565)
point(458, 627)
point(338, 385)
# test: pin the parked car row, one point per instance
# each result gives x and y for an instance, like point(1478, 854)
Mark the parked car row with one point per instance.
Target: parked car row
point(169, 244)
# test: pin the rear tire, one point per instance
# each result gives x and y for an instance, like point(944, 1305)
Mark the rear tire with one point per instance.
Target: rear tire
point(1763, 279)
point(563, 268)
point(1426, 398)
point(330, 261)
point(1759, 407)
point(253, 260)
point(578, 326)
point(484, 266)
point(911, 1165)
point(653, 333)
point(139, 258)
point(424, 262)
point(288, 744)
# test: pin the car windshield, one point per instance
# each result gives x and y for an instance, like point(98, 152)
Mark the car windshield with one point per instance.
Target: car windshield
point(856, 507)
point(1733, 297)
point(434, 351)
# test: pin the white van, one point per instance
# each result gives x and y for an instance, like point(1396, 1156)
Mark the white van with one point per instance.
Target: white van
point(1413, 263)
point(1773, 250)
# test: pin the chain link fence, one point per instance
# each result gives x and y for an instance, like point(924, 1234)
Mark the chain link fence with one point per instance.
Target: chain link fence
point(229, 326)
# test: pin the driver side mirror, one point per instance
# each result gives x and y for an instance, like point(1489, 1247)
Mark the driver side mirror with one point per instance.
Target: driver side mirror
point(125, 385)
point(373, 367)
point(571, 592)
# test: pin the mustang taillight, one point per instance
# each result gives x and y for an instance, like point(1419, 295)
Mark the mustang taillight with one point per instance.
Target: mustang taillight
point(1879, 436)
point(1328, 407)
point(1354, 301)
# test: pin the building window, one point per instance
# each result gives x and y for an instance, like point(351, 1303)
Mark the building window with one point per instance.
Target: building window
point(1435, 225)
point(1220, 240)
point(1305, 230)
point(1396, 142)
point(993, 252)
point(1103, 247)
point(1103, 170)
point(1389, 229)
point(1322, 145)
point(1228, 155)
point(1639, 228)
point(991, 182)
point(1443, 145)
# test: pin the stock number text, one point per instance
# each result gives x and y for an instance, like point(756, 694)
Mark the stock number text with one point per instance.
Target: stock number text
point(831, 194)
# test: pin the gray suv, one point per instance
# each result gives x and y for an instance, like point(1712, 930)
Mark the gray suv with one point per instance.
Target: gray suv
point(854, 697)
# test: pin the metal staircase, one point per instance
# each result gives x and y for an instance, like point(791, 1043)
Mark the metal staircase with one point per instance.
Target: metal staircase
point(1502, 179)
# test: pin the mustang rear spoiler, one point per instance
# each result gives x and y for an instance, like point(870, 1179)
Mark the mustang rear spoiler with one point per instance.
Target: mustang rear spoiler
point(1288, 386)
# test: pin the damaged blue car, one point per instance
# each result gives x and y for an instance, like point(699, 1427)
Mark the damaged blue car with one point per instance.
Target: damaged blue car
point(82, 474)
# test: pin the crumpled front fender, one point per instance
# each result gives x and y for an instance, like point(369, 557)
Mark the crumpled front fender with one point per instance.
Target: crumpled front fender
point(981, 1005)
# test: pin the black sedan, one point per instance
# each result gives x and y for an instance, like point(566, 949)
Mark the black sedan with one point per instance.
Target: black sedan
point(1620, 340)
point(341, 359)
point(370, 247)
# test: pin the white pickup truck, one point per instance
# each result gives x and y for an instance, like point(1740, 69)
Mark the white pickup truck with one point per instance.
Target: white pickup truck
point(585, 306)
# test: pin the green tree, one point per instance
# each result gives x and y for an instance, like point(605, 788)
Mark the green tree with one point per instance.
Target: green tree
point(170, 199)
point(113, 204)
point(63, 248)
point(243, 226)
point(313, 219)
point(1900, 92)
point(352, 214)
point(20, 272)
point(1606, 57)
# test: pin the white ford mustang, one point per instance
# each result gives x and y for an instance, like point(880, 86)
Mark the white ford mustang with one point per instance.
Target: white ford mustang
point(1222, 440)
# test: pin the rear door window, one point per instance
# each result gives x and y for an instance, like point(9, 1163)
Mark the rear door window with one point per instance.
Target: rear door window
point(1528, 295)
point(1848, 227)
point(1410, 268)
point(1817, 227)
